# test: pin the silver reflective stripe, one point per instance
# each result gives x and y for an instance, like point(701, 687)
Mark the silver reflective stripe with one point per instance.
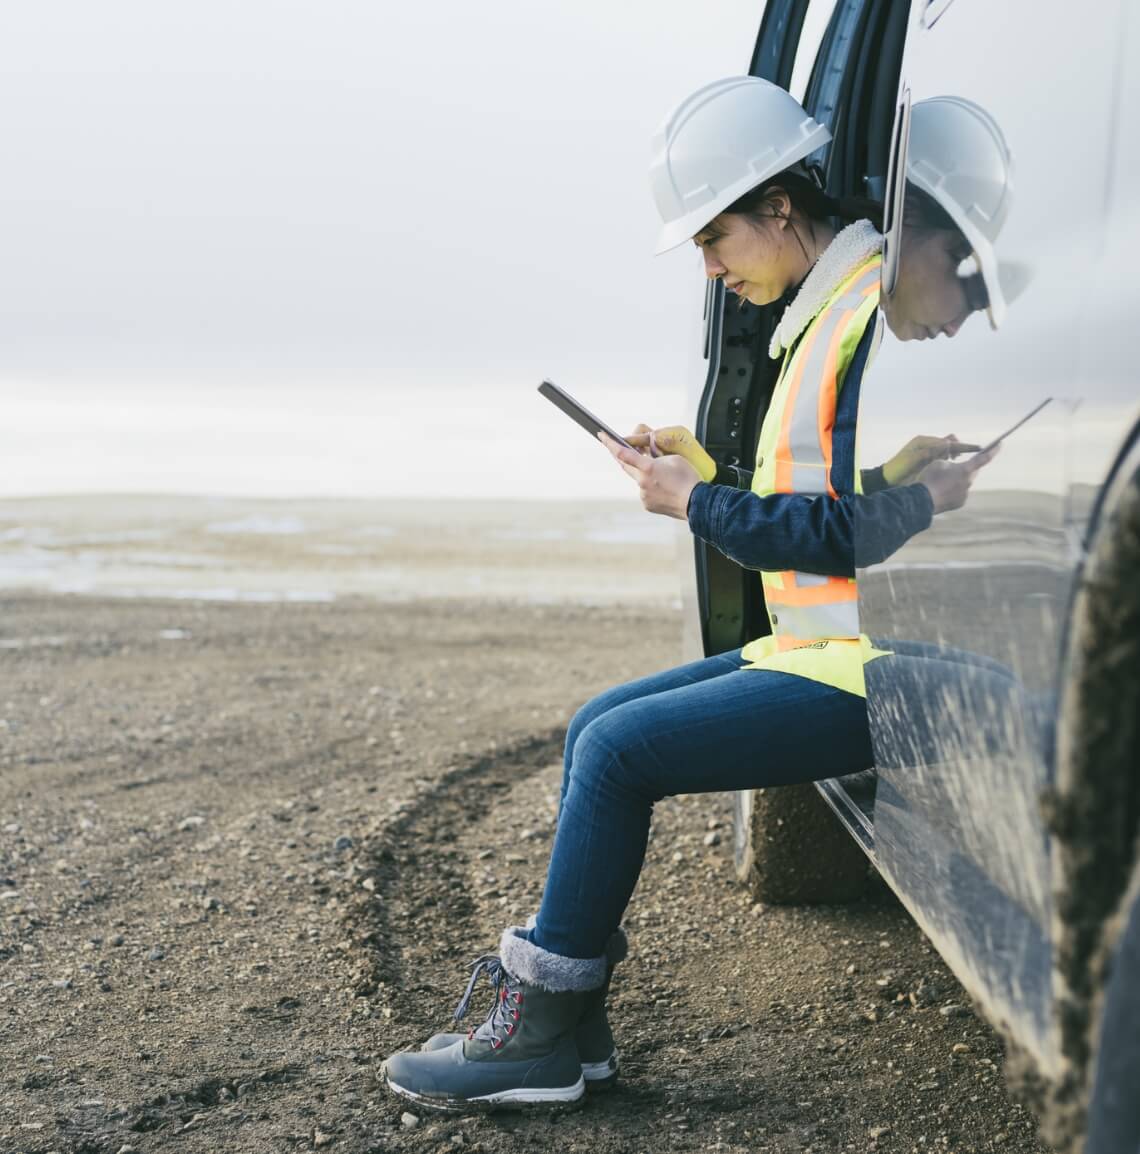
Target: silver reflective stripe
point(870, 278)
point(857, 293)
point(809, 479)
point(808, 580)
point(816, 622)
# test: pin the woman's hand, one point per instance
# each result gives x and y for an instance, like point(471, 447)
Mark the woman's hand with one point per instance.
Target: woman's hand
point(666, 482)
point(904, 467)
point(949, 482)
point(674, 440)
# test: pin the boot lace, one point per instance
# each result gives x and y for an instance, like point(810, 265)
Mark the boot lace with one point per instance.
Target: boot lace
point(506, 1010)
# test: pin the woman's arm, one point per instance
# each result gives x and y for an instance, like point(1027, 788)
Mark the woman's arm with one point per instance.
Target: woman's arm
point(825, 535)
point(816, 534)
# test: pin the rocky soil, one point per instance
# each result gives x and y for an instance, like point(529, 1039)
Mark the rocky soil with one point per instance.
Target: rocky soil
point(246, 851)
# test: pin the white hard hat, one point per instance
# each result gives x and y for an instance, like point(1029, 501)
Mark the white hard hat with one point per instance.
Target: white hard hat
point(719, 143)
point(958, 156)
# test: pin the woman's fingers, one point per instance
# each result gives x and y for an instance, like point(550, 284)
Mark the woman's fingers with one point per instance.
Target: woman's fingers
point(641, 438)
point(957, 447)
point(631, 457)
point(640, 441)
point(981, 460)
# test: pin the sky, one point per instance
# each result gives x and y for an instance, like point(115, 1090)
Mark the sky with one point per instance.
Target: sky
point(284, 248)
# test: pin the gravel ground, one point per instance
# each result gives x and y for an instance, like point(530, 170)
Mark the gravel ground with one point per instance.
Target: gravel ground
point(246, 851)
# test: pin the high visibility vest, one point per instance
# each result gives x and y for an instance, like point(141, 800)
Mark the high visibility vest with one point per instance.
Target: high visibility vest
point(814, 619)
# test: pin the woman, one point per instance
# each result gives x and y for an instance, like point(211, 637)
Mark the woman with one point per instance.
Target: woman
point(728, 173)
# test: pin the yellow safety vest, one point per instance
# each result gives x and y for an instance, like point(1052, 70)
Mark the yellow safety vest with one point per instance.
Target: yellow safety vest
point(814, 619)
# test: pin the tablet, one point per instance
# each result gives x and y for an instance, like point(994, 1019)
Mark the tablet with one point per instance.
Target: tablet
point(1032, 413)
point(579, 413)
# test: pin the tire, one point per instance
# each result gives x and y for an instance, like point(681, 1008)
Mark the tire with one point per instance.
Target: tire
point(1114, 1107)
point(790, 849)
point(1093, 811)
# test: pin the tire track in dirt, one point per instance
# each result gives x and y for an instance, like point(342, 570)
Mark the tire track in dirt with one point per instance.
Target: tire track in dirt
point(422, 909)
point(90, 1130)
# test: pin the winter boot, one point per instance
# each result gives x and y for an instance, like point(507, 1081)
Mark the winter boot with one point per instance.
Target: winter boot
point(592, 1036)
point(524, 1053)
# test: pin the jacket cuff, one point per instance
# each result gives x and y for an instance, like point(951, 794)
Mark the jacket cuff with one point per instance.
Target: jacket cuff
point(704, 509)
point(874, 480)
point(920, 503)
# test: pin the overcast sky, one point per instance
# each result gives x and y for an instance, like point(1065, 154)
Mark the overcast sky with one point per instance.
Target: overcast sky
point(284, 247)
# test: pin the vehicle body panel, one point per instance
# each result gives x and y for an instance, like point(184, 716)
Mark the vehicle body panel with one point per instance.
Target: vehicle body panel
point(958, 829)
point(951, 816)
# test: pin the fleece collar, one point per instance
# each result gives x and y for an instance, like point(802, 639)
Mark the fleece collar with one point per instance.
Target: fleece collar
point(852, 246)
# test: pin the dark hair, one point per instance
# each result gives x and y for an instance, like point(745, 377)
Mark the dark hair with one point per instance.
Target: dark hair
point(921, 210)
point(808, 200)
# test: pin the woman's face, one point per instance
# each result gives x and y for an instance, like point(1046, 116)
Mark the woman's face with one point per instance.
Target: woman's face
point(752, 255)
point(930, 297)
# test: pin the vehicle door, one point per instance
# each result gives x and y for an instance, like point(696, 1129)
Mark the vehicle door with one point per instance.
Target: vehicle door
point(973, 609)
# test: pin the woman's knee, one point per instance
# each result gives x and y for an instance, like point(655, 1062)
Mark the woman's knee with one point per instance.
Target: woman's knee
point(594, 709)
point(610, 760)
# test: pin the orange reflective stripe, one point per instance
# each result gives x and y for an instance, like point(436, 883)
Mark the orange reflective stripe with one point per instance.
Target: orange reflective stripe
point(840, 590)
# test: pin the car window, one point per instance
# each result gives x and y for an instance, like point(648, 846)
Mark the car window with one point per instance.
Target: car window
point(775, 50)
point(815, 24)
point(853, 90)
point(823, 96)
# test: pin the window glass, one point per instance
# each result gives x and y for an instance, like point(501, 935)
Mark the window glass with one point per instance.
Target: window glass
point(825, 88)
point(811, 36)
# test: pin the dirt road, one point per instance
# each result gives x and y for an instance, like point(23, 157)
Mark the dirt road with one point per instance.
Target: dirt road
point(247, 850)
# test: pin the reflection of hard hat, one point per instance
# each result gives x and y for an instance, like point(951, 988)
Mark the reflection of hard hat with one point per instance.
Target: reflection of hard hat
point(1013, 278)
point(725, 139)
point(958, 155)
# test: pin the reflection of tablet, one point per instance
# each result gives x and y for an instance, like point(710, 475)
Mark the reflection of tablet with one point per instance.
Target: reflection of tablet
point(578, 413)
point(1014, 428)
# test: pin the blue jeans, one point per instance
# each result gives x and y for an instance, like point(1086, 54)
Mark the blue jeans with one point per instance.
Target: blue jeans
point(713, 725)
point(707, 726)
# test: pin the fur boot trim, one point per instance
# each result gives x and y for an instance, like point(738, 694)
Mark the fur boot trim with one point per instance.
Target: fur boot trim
point(617, 944)
point(550, 972)
point(851, 247)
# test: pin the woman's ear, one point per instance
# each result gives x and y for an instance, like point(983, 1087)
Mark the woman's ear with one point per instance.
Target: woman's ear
point(780, 206)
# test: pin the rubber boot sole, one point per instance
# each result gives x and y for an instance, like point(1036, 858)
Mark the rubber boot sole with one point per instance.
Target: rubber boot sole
point(517, 1099)
point(601, 1075)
